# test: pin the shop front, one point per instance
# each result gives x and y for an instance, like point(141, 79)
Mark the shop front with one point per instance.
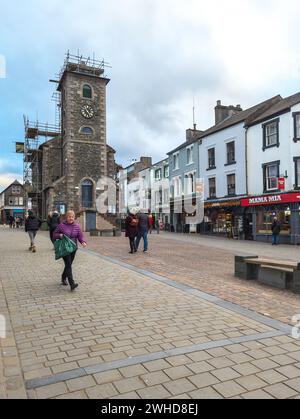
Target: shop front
point(263, 209)
point(224, 218)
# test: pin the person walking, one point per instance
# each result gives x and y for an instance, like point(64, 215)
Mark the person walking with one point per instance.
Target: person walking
point(143, 229)
point(157, 225)
point(276, 229)
point(11, 221)
point(32, 226)
point(131, 226)
point(53, 222)
point(150, 223)
point(72, 230)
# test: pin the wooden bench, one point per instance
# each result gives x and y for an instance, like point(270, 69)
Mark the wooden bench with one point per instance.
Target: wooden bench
point(280, 274)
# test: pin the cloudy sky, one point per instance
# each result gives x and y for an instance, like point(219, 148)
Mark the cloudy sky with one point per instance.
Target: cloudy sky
point(163, 54)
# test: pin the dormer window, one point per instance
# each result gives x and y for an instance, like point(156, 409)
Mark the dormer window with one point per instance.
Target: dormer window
point(87, 92)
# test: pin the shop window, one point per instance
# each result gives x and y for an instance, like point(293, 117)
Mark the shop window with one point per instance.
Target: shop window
point(297, 172)
point(265, 218)
point(271, 175)
point(222, 222)
point(296, 117)
point(231, 184)
point(212, 188)
point(271, 134)
point(211, 159)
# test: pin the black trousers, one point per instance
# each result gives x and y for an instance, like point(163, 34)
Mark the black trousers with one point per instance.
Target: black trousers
point(132, 244)
point(51, 232)
point(67, 273)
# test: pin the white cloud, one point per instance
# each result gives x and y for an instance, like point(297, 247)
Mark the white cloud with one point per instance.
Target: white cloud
point(163, 53)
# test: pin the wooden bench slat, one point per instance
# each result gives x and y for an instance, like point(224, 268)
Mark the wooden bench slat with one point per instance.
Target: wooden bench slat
point(277, 268)
point(271, 263)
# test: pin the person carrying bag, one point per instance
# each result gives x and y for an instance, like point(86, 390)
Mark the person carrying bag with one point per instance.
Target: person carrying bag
point(67, 234)
point(64, 247)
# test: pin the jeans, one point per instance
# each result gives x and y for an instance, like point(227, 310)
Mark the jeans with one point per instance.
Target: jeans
point(275, 239)
point(32, 235)
point(67, 273)
point(142, 234)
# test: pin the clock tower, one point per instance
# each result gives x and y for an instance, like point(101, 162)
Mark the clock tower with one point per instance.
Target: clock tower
point(83, 114)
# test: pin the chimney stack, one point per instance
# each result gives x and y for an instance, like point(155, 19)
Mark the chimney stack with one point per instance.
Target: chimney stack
point(223, 112)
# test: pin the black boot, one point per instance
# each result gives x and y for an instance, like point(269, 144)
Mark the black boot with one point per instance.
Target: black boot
point(74, 286)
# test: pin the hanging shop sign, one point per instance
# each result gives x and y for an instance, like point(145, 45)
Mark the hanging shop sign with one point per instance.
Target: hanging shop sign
point(281, 183)
point(271, 200)
point(20, 148)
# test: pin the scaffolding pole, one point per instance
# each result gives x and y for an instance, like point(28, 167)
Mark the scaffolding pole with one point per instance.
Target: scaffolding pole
point(35, 134)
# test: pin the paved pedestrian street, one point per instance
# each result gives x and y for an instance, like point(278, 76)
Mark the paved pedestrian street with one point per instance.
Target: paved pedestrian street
point(130, 333)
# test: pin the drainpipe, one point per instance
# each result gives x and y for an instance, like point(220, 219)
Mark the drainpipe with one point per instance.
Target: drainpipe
point(246, 158)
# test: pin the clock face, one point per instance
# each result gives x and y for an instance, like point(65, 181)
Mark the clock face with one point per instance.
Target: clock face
point(87, 111)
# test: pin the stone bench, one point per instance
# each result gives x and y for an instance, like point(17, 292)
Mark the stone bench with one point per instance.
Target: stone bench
point(276, 273)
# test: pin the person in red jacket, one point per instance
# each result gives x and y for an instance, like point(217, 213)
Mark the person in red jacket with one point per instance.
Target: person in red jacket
point(150, 223)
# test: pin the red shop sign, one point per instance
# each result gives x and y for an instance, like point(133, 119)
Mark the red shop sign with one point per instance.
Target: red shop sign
point(281, 183)
point(271, 200)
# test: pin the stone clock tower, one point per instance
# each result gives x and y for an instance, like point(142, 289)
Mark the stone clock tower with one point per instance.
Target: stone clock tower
point(83, 143)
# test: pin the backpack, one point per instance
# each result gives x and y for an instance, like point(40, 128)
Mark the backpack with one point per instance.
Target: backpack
point(134, 222)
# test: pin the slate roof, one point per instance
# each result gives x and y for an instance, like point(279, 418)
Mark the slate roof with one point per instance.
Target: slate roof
point(281, 107)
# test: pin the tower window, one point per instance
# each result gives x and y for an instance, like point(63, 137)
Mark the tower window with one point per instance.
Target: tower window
point(87, 91)
point(87, 130)
point(87, 194)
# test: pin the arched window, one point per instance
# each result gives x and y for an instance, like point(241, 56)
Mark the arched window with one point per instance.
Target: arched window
point(87, 91)
point(87, 194)
point(87, 130)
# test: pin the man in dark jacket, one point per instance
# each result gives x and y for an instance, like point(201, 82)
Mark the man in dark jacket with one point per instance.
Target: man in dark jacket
point(53, 222)
point(32, 226)
point(144, 225)
point(276, 229)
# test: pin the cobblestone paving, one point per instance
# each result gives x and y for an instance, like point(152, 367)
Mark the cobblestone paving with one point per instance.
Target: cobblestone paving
point(122, 334)
point(207, 264)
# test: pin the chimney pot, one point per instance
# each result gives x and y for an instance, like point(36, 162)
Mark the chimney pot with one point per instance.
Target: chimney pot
point(219, 103)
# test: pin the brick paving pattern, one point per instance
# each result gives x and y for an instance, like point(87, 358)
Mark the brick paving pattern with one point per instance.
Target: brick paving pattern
point(207, 264)
point(142, 332)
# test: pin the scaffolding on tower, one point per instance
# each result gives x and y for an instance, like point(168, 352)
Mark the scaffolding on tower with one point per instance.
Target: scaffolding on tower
point(36, 133)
